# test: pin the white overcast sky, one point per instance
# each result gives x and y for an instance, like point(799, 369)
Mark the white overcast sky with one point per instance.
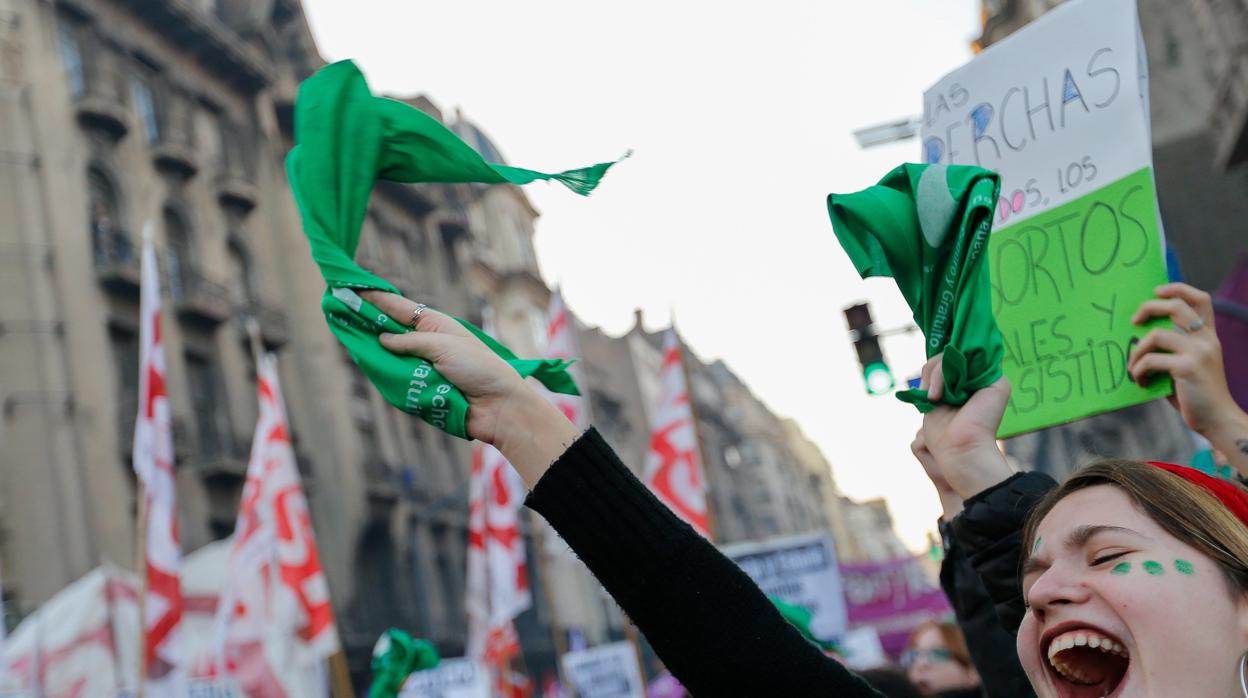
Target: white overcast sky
point(740, 115)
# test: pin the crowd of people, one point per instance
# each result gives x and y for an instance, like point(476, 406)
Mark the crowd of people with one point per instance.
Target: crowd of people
point(1129, 579)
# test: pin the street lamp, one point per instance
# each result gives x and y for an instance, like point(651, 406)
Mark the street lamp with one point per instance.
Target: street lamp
point(890, 132)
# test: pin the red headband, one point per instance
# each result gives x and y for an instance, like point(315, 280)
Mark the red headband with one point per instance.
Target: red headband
point(1233, 497)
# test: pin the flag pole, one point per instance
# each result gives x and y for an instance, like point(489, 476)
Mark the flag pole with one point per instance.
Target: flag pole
point(711, 523)
point(141, 491)
point(339, 672)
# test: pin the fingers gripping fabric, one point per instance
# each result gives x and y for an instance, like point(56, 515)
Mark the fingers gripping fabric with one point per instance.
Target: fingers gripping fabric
point(927, 227)
point(345, 139)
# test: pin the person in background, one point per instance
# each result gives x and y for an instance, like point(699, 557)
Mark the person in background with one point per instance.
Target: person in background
point(891, 682)
point(938, 663)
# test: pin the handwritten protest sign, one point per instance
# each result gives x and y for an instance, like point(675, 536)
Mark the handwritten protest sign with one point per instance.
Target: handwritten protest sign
point(1060, 110)
point(606, 671)
point(800, 570)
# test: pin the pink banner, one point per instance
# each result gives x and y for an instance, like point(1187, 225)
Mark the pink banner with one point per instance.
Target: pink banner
point(893, 597)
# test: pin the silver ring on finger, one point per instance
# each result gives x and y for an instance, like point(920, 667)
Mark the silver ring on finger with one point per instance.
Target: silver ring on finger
point(1194, 326)
point(416, 313)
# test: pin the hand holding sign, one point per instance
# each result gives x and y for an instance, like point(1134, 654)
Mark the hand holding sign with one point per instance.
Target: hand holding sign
point(1059, 111)
point(1192, 356)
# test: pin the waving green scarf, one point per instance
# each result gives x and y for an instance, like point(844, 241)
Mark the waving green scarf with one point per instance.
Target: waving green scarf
point(345, 139)
point(927, 227)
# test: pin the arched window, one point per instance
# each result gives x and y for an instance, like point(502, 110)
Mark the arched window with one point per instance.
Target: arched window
point(179, 260)
point(108, 240)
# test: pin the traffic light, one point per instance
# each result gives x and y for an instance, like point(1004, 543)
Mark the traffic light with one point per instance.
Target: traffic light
point(875, 372)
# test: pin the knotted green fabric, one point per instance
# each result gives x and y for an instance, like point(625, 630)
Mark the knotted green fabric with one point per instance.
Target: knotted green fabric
point(345, 139)
point(927, 227)
point(395, 657)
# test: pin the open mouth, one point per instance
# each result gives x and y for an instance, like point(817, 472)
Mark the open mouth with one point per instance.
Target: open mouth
point(1087, 663)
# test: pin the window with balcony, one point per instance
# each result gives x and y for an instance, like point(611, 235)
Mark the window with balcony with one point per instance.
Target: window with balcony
point(451, 235)
point(70, 50)
point(180, 259)
point(242, 273)
point(211, 420)
point(142, 94)
point(108, 241)
point(124, 343)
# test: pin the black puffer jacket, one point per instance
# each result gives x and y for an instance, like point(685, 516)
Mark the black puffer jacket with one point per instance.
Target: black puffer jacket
point(983, 554)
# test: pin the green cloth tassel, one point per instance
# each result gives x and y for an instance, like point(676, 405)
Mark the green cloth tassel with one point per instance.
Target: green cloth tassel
point(345, 139)
point(927, 227)
point(395, 656)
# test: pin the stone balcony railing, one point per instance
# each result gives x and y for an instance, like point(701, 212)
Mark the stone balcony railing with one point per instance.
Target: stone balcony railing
point(272, 321)
point(199, 299)
point(116, 260)
point(101, 104)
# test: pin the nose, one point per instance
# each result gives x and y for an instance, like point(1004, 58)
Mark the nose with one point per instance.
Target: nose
point(1053, 589)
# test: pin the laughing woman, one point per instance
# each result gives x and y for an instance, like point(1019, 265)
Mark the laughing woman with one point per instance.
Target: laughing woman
point(1137, 578)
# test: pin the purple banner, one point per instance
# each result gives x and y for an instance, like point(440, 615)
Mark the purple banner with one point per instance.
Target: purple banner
point(893, 597)
point(1231, 314)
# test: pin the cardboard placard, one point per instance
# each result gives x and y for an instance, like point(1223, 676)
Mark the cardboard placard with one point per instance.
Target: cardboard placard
point(606, 671)
point(1060, 110)
point(801, 570)
point(451, 678)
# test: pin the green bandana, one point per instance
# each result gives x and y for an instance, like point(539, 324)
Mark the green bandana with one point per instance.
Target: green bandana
point(345, 139)
point(799, 617)
point(927, 227)
point(395, 656)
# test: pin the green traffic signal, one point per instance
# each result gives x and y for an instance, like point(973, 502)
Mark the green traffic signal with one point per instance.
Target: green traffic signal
point(878, 378)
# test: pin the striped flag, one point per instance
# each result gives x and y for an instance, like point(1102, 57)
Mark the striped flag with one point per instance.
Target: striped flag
point(561, 343)
point(153, 464)
point(673, 468)
point(273, 540)
point(498, 583)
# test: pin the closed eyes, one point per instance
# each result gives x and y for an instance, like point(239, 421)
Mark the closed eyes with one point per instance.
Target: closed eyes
point(1101, 560)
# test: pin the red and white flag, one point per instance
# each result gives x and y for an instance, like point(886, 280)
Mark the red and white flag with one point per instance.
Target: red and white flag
point(498, 583)
point(273, 540)
point(497, 579)
point(561, 344)
point(153, 463)
point(673, 469)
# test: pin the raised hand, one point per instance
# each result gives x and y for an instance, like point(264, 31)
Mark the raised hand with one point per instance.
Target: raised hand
point(1192, 355)
point(503, 410)
point(958, 445)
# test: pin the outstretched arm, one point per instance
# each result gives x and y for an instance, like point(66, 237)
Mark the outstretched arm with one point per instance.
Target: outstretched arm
point(708, 621)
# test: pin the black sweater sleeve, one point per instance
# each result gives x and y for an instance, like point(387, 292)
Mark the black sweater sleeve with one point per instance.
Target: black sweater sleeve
point(709, 622)
point(990, 532)
point(991, 646)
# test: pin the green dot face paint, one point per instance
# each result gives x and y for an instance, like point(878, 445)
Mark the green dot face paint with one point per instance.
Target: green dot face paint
point(1036, 546)
point(1121, 568)
point(1184, 567)
point(1153, 567)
